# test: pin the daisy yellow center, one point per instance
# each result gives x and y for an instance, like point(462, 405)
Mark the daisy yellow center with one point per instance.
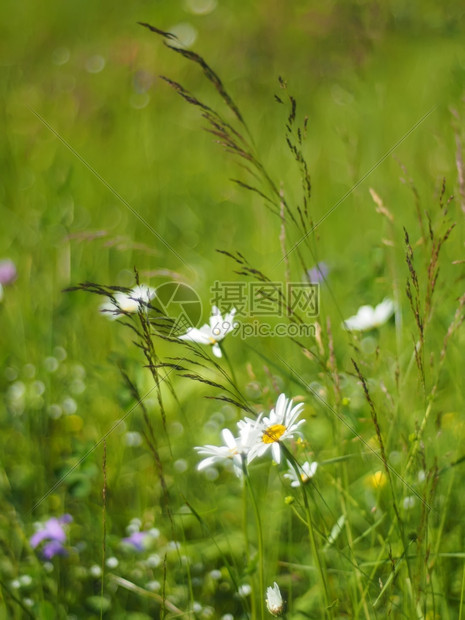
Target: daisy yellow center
point(212, 340)
point(273, 433)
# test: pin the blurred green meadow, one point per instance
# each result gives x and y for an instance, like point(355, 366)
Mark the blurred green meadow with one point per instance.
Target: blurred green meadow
point(109, 176)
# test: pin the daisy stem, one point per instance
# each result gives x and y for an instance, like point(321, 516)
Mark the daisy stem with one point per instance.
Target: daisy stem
point(246, 531)
point(316, 556)
point(260, 548)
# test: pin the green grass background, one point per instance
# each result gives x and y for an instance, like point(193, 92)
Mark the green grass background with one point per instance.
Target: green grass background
point(364, 73)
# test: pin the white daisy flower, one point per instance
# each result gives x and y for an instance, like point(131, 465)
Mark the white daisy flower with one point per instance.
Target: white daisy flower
point(274, 600)
point(306, 471)
point(368, 317)
point(214, 332)
point(231, 451)
point(250, 431)
point(136, 299)
point(269, 432)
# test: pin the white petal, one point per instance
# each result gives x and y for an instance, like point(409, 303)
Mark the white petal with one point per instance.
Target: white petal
point(229, 318)
point(229, 439)
point(215, 318)
point(110, 310)
point(197, 335)
point(276, 451)
point(364, 319)
point(280, 408)
point(274, 600)
point(206, 463)
point(309, 469)
point(143, 293)
point(216, 350)
point(368, 317)
point(383, 311)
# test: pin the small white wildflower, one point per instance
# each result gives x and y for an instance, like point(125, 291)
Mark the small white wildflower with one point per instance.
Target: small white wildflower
point(244, 590)
point(153, 586)
point(133, 439)
point(153, 560)
point(306, 471)
point(213, 332)
point(368, 317)
point(95, 570)
point(25, 580)
point(131, 302)
point(274, 600)
point(112, 562)
point(409, 502)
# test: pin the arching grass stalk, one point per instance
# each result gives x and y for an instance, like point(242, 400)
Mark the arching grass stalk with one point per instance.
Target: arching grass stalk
point(258, 524)
point(318, 559)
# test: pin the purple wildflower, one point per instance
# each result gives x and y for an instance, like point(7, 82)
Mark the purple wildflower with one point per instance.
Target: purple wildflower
point(7, 271)
point(319, 273)
point(53, 532)
point(53, 548)
point(137, 540)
